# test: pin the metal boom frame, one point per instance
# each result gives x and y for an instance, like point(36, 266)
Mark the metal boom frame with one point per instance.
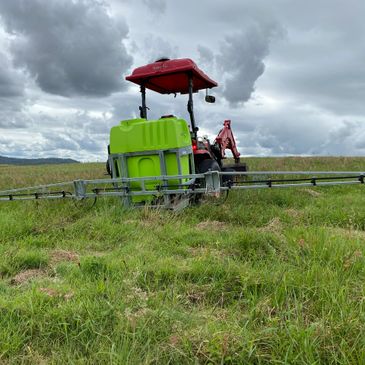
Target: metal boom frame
point(211, 182)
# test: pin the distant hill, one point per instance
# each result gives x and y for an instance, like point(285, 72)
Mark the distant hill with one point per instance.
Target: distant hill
point(34, 161)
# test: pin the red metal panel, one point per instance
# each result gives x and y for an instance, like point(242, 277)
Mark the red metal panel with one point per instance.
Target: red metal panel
point(171, 76)
point(226, 140)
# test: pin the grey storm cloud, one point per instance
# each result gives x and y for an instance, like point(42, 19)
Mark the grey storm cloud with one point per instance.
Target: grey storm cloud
point(206, 55)
point(72, 142)
point(241, 60)
point(13, 118)
point(84, 136)
point(69, 47)
point(13, 113)
point(56, 140)
point(10, 119)
point(309, 134)
point(346, 138)
point(12, 95)
point(156, 47)
point(11, 80)
point(156, 6)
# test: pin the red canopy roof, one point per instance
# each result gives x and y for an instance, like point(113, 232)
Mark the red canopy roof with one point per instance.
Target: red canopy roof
point(171, 76)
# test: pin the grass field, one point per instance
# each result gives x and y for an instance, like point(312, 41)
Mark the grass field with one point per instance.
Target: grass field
point(274, 276)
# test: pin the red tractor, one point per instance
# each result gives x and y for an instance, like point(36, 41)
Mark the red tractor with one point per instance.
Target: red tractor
point(183, 76)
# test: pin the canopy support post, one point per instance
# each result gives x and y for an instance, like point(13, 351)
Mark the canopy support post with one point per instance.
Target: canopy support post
point(194, 128)
point(143, 108)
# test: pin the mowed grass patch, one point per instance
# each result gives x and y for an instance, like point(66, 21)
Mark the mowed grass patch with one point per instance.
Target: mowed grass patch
point(272, 276)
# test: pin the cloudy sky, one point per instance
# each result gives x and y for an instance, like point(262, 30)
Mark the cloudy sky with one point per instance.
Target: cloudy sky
point(291, 73)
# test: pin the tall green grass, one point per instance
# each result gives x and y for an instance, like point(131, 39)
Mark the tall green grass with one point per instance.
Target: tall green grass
point(267, 277)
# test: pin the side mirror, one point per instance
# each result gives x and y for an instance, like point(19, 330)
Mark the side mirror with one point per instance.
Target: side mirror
point(210, 99)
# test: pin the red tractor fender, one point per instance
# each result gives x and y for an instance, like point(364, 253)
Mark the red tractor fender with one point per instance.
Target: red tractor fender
point(201, 153)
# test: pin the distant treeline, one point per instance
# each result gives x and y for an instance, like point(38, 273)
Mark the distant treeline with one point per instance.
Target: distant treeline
point(34, 161)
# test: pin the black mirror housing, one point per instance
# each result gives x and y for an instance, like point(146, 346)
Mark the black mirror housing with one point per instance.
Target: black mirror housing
point(210, 99)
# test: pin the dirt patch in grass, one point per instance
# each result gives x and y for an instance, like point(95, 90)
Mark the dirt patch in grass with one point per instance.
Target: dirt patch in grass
point(49, 292)
point(293, 213)
point(350, 260)
point(32, 356)
point(206, 251)
point(212, 226)
point(57, 256)
point(195, 296)
point(274, 226)
point(134, 316)
point(53, 293)
point(174, 340)
point(312, 192)
point(138, 294)
point(130, 221)
point(348, 233)
point(27, 275)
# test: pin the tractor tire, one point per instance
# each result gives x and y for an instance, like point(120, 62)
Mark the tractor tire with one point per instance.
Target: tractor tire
point(108, 169)
point(207, 165)
point(227, 179)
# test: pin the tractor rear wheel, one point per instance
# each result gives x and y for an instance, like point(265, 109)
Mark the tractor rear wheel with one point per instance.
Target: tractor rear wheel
point(227, 179)
point(207, 165)
point(108, 169)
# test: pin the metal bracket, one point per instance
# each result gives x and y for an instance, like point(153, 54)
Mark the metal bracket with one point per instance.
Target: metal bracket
point(80, 189)
point(212, 182)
